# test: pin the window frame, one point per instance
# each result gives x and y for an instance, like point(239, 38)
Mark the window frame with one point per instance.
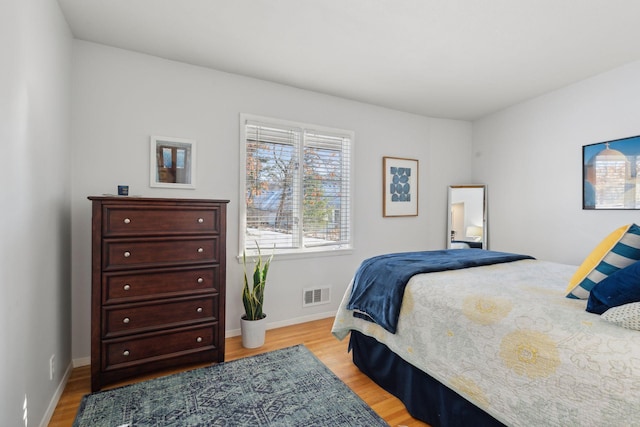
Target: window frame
point(303, 128)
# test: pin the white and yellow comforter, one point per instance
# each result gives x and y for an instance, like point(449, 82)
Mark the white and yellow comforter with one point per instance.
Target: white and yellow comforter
point(505, 337)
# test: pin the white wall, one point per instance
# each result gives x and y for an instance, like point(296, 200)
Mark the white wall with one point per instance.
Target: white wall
point(35, 52)
point(530, 155)
point(120, 98)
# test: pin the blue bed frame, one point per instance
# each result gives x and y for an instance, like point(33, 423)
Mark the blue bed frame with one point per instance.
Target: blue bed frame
point(425, 398)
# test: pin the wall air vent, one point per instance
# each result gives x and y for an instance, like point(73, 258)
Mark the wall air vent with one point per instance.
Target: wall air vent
point(316, 296)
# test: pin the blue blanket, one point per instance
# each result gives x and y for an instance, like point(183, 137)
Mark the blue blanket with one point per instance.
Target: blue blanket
point(379, 283)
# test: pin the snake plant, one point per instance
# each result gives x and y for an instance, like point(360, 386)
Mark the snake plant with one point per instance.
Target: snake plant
point(253, 294)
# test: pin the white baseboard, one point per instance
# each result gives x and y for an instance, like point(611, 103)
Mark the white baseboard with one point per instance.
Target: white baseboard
point(295, 321)
point(81, 361)
point(56, 397)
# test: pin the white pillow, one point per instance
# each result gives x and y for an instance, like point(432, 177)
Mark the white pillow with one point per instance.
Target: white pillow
point(627, 315)
point(459, 245)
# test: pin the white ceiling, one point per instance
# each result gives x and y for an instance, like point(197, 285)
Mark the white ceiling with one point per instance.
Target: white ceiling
point(460, 59)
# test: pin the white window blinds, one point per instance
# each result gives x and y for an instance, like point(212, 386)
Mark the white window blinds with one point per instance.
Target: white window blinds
point(296, 183)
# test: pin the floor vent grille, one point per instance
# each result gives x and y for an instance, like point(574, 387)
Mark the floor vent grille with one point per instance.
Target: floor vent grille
point(316, 296)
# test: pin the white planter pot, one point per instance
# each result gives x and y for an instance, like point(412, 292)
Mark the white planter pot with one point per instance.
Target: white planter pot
point(253, 332)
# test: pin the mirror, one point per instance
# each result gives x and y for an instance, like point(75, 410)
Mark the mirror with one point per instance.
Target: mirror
point(467, 217)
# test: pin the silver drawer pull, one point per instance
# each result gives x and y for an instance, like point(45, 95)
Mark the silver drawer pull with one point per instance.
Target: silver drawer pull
point(200, 220)
point(125, 353)
point(199, 339)
point(127, 221)
point(127, 254)
point(200, 280)
point(200, 250)
point(199, 309)
point(126, 320)
point(126, 287)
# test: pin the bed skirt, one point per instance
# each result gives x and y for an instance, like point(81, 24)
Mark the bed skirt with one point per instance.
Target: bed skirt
point(424, 397)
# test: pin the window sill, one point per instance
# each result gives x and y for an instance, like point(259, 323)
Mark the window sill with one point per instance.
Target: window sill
point(284, 254)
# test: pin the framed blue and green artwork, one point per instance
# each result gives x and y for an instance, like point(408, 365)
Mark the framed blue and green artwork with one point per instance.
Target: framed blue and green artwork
point(400, 187)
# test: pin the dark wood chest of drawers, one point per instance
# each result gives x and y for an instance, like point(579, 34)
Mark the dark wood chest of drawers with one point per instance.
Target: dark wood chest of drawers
point(157, 285)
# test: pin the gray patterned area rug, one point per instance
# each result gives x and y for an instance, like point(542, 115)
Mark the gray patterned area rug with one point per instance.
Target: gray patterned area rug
point(288, 387)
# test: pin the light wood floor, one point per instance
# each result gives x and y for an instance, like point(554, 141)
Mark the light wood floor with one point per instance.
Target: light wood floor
point(316, 336)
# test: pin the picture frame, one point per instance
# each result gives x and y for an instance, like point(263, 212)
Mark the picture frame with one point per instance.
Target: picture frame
point(610, 179)
point(399, 187)
point(172, 162)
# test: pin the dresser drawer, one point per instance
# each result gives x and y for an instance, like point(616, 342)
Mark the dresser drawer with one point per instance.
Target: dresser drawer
point(122, 353)
point(135, 286)
point(125, 319)
point(155, 252)
point(144, 220)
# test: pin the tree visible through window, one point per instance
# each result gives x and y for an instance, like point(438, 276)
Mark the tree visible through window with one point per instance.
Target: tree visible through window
point(296, 183)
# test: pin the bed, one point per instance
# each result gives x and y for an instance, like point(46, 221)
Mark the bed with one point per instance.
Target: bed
point(493, 344)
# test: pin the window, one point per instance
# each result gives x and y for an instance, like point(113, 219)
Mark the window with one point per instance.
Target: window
point(296, 185)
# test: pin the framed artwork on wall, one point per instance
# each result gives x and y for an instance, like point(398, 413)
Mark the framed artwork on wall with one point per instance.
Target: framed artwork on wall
point(400, 187)
point(610, 178)
point(172, 162)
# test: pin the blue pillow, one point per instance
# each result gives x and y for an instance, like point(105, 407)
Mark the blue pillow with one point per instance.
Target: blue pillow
point(621, 287)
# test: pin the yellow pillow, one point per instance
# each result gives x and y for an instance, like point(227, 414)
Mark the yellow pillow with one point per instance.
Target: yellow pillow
point(618, 250)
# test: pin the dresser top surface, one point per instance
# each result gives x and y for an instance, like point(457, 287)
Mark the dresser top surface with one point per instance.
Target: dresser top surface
point(153, 199)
